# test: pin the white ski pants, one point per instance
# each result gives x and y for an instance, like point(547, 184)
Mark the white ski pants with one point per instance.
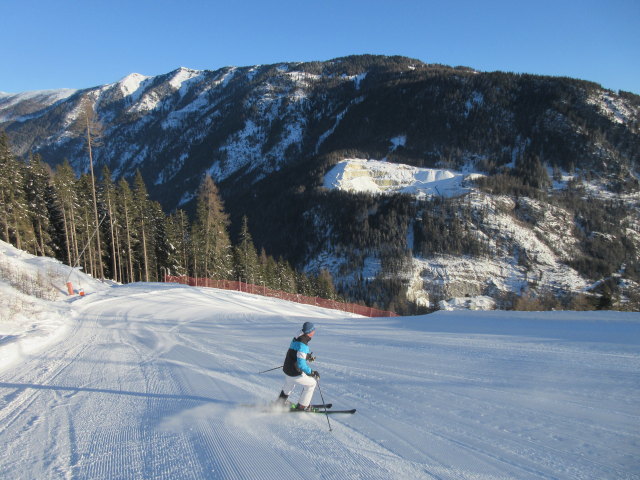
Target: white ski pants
point(307, 383)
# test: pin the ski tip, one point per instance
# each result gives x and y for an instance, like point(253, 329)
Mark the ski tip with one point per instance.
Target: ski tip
point(339, 411)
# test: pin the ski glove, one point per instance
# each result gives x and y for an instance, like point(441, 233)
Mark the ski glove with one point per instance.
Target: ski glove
point(315, 375)
point(310, 357)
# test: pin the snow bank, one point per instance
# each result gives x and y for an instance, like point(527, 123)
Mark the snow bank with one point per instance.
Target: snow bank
point(28, 324)
point(34, 310)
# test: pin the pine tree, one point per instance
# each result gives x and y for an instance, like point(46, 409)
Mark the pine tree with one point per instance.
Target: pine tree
point(287, 277)
point(126, 241)
point(39, 199)
point(142, 224)
point(5, 155)
point(16, 223)
point(211, 247)
point(532, 172)
point(268, 270)
point(177, 233)
point(325, 288)
point(108, 196)
point(7, 170)
point(304, 285)
point(67, 200)
point(159, 248)
point(89, 126)
point(85, 226)
point(247, 264)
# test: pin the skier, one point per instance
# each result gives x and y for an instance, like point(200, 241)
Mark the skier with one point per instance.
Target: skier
point(296, 369)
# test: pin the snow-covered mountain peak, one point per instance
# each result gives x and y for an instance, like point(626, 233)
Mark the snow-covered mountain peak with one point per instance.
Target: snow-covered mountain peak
point(131, 83)
point(51, 96)
point(181, 75)
point(19, 106)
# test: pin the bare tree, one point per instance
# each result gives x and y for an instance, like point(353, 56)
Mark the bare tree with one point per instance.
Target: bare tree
point(89, 126)
point(108, 195)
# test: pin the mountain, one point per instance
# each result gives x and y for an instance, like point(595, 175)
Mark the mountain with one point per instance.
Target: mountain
point(547, 201)
point(19, 107)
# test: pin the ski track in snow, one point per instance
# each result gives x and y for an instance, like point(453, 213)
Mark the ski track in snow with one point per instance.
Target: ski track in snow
point(152, 382)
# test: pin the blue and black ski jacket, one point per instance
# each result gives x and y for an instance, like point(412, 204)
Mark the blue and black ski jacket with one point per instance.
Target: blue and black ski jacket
point(295, 363)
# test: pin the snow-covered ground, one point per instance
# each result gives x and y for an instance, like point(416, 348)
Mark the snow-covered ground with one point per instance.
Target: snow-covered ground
point(153, 381)
point(29, 319)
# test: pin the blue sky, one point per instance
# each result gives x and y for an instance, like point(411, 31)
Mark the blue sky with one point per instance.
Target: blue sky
point(50, 44)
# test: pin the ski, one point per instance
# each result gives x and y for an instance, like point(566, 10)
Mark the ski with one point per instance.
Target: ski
point(321, 411)
point(317, 405)
point(291, 406)
point(284, 405)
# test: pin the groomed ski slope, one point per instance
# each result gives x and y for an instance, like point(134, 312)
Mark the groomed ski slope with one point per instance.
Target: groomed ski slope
point(150, 382)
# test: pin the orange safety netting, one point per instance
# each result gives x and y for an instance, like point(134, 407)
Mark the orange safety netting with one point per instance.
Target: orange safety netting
point(269, 292)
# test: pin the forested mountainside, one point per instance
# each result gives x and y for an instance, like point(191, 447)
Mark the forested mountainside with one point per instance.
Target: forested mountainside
point(553, 215)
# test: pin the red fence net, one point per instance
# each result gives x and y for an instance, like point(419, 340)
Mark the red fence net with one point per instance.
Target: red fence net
point(268, 292)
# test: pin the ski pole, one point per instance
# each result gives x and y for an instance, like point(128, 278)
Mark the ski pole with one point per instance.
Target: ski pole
point(325, 408)
point(271, 369)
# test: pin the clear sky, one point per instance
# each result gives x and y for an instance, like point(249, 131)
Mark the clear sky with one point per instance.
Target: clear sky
point(48, 44)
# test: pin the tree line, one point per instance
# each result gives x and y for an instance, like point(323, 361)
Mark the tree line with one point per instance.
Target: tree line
point(111, 229)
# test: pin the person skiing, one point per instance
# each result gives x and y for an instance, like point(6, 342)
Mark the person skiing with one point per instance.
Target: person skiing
point(296, 369)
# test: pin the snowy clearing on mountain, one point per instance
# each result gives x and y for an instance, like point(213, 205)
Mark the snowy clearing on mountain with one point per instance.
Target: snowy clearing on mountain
point(375, 176)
